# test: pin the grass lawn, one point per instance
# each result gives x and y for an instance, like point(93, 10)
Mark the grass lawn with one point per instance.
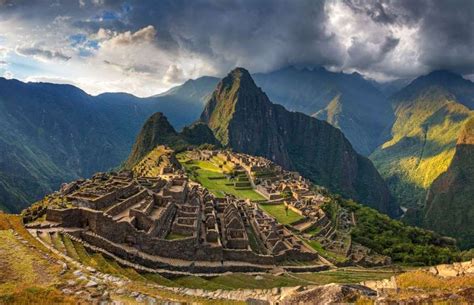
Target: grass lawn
point(211, 177)
point(280, 213)
point(173, 236)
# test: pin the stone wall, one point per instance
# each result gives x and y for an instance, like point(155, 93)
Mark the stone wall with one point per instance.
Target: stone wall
point(127, 203)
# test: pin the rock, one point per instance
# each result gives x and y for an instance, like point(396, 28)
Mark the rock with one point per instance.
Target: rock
point(447, 270)
point(259, 277)
point(67, 291)
point(71, 282)
point(105, 295)
point(78, 273)
point(140, 298)
point(90, 269)
point(329, 294)
point(91, 284)
point(134, 294)
point(82, 278)
point(120, 291)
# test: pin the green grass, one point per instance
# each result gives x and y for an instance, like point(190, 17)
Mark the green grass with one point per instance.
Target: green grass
point(281, 214)
point(313, 231)
point(323, 252)
point(58, 242)
point(71, 251)
point(211, 177)
point(173, 236)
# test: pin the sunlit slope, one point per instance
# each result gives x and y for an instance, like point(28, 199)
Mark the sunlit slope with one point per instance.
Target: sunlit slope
point(450, 201)
point(429, 116)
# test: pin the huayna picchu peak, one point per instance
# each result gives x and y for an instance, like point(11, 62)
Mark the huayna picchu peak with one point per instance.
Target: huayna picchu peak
point(244, 119)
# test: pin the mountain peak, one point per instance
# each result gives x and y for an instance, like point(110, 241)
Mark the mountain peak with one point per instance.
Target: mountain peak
point(243, 118)
point(156, 131)
point(238, 77)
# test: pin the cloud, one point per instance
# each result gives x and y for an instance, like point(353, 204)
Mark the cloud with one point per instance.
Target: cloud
point(149, 45)
point(174, 75)
point(41, 53)
point(8, 75)
point(144, 35)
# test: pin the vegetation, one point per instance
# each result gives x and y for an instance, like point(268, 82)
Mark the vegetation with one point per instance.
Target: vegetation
point(450, 202)
point(282, 214)
point(26, 277)
point(404, 244)
point(212, 177)
point(429, 115)
point(243, 118)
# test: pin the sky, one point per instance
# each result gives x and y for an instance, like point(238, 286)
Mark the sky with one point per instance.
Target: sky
point(145, 47)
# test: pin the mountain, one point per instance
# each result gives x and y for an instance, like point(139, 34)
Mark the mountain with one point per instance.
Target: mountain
point(347, 101)
point(183, 104)
point(389, 88)
point(157, 131)
point(51, 134)
point(243, 118)
point(429, 113)
point(449, 205)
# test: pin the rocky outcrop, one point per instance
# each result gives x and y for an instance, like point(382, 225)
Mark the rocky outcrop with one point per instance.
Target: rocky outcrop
point(329, 294)
point(243, 118)
point(456, 269)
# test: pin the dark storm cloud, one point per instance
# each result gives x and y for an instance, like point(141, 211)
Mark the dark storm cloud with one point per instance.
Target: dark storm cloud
point(266, 35)
point(446, 28)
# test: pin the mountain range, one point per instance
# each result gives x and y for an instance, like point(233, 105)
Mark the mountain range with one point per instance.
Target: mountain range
point(242, 118)
point(430, 113)
point(51, 134)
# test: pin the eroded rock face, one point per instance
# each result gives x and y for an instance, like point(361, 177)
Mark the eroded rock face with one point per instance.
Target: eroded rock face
point(329, 294)
point(243, 118)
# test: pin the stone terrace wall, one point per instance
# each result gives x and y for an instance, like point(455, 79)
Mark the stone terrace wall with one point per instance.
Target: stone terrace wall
point(127, 203)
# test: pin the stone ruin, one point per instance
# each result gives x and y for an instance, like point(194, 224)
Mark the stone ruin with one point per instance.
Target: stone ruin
point(169, 222)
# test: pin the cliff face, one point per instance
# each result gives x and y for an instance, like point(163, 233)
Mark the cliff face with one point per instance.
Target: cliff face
point(243, 118)
point(449, 205)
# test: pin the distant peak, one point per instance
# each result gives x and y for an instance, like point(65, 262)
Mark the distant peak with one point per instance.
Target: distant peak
point(240, 77)
point(442, 75)
point(240, 73)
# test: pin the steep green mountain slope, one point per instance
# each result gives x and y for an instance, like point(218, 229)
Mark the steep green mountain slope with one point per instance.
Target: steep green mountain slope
point(50, 134)
point(346, 101)
point(158, 131)
point(429, 115)
point(243, 118)
point(449, 205)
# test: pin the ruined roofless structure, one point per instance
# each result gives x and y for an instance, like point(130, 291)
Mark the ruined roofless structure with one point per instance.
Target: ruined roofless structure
point(171, 224)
